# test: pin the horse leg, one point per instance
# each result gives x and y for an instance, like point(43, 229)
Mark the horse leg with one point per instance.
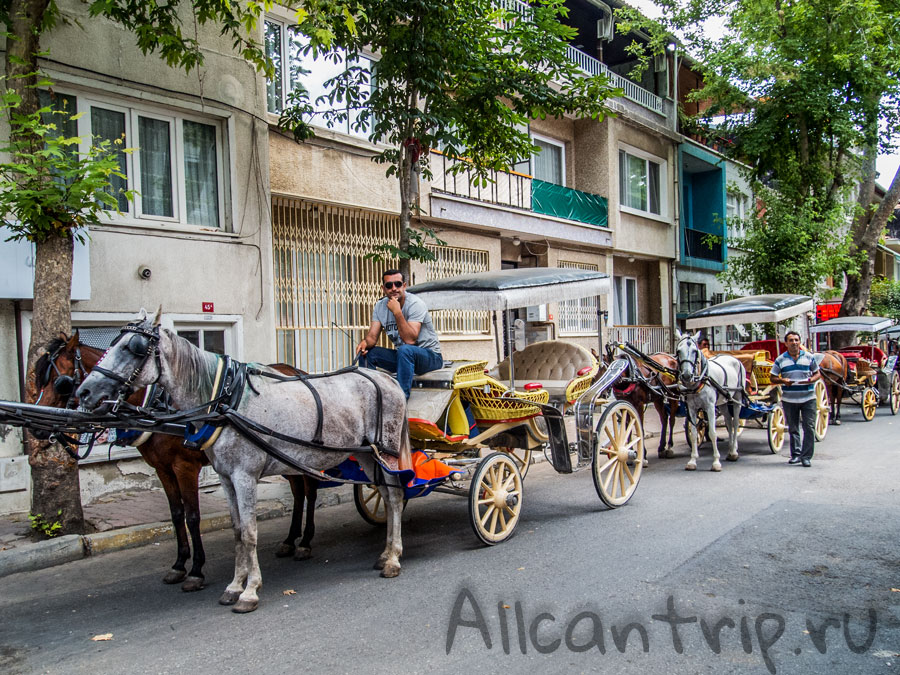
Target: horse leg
point(713, 435)
point(691, 424)
point(672, 413)
point(304, 548)
point(838, 400)
point(236, 587)
point(298, 491)
point(245, 492)
point(188, 474)
point(641, 408)
point(176, 508)
point(732, 421)
point(389, 560)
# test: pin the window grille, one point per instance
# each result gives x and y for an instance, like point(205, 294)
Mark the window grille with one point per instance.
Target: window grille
point(578, 316)
point(325, 288)
point(450, 262)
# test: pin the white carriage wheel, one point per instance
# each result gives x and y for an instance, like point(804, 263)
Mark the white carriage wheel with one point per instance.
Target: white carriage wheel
point(521, 457)
point(869, 404)
point(823, 410)
point(370, 504)
point(742, 423)
point(895, 392)
point(777, 429)
point(618, 454)
point(495, 498)
point(702, 430)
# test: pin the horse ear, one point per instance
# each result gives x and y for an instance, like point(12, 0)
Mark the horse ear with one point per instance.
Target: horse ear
point(72, 342)
point(158, 318)
point(696, 336)
point(678, 334)
point(142, 316)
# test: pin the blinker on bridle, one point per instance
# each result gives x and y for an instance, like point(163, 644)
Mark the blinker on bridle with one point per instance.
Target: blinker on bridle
point(64, 385)
point(142, 345)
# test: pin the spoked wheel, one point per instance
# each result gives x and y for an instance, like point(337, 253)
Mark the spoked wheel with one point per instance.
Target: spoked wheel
point(777, 429)
point(741, 424)
point(495, 498)
point(702, 430)
point(618, 454)
point(869, 403)
point(895, 392)
point(521, 457)
point(370, 504)
point(823, 410)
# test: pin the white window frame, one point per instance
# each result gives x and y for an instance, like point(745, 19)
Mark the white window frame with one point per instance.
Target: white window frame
point(316, 120)
point(620, 298)
point(663, 183)
point(740, 207)
point(562, 155)
point(133, 110)
point(584, 309)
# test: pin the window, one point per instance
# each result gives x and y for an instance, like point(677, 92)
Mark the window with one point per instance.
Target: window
point(550, 162)
point(691, 297)
point(176, 167)
point(625, 301)
point(293, 66)
point(640, 186)
point(451, 261)
point(207, 339)
point(578, 316)
point(735, 213)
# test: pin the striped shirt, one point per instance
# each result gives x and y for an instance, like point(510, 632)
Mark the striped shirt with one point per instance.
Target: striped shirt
point(800, 369)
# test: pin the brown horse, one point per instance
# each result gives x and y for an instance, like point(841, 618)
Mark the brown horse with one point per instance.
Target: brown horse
point(835, 372)
point(58, 372)
point(634, 389)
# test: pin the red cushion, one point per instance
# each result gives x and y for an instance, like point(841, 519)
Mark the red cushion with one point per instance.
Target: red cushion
point(584, 371)
point(531, 386)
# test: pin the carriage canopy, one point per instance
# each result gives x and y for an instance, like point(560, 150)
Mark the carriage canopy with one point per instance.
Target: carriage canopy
point(751, 309)
point(511, 289)
point(868, 324)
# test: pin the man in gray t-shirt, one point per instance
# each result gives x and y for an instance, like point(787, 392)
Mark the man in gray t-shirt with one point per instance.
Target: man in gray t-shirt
point(405, 319)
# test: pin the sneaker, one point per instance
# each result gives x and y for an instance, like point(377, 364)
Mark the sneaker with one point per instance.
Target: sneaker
point(794, 460)
point(805, 462)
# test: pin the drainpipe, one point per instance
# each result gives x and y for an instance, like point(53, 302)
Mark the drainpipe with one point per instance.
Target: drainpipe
point(677, 200)
point(17, 308)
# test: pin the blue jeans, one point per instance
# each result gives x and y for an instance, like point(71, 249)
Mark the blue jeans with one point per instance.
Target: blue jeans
point(793, 414)
point(405, 361)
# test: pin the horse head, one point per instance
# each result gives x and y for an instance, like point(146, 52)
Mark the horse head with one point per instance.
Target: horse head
point(126, 366)
point(691, 362)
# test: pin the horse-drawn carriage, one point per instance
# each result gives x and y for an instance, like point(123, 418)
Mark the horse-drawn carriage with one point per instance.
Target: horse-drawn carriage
point(471, 433)
point(864, 372)
point(763, 399)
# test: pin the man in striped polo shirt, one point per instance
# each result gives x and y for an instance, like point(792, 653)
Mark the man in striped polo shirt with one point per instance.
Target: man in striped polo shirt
point(797, 372)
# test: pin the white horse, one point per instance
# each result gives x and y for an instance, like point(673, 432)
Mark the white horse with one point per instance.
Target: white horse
point(702, 382)
point(358, 411)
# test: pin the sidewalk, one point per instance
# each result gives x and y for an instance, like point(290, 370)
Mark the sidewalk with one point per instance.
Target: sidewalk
point(134, 518)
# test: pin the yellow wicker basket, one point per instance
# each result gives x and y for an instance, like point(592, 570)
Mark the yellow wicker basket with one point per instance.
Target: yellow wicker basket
point(762, 373)
point(470, 374)
point(489, 405)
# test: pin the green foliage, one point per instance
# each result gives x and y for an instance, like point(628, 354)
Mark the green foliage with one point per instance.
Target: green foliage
point(884, 298)
point(44, 526)
point(789, 247)
point(419, 240)
point(48, 187)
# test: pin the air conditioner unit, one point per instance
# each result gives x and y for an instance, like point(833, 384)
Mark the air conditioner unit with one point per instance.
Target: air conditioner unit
point(660, 63)
point(606, 26)
point(537, 313)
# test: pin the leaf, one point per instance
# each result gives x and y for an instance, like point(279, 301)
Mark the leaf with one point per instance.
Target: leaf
point(290, 591)
point(105, 637)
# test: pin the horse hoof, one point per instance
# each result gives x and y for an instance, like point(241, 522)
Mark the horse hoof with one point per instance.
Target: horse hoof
point(284, 551)
point(646, 462)
point(245, 606)
point(669, 454)
point(379, 564)
point(229, 597)
point(175, 576)
point(192, 584)
point(390, 570)
point(690, 467)
point(303, 553)
point(716, 467)
point(837, 423)
point(732, 458)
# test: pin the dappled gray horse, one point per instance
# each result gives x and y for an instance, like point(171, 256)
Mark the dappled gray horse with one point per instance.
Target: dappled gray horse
point(352, 407)
point(707, 384)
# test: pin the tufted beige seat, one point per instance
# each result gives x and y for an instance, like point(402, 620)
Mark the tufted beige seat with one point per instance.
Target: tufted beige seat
point(555, 365)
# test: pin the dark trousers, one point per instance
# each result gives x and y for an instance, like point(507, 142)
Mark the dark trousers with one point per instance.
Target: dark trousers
point(795, 414)
point(405, 360)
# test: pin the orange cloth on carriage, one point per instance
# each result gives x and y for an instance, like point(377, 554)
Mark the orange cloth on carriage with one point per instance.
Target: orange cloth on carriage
point(429, 469)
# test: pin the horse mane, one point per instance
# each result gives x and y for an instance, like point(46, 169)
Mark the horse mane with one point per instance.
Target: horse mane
point(42, 367)
point(191, 366)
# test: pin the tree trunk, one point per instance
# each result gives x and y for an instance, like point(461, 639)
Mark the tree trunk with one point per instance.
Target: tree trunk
point(55, 487)
point(55, 492)
point(408, 191)
point(866, 232)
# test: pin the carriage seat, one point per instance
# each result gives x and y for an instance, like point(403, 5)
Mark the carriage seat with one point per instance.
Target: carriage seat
point(563, 369)
point(868, 352)
point(756, 366)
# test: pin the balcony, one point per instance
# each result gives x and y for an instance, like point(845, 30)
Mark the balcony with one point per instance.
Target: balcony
point(562, 202)
point(505, 188)
point(701, 247)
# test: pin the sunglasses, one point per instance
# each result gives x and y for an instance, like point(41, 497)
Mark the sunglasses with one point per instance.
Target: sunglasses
point(392, 284)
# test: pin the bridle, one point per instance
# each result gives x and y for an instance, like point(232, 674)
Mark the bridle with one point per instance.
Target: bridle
point(696, 380)
point(143, 344)
point(64, 385)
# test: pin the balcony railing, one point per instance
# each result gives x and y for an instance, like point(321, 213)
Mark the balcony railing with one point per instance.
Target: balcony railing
point(632, 91)
point(649, 339)
point(699, 244)
point(506, 188)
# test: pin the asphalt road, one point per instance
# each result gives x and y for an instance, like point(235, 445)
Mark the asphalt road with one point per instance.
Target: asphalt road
point(762, 568)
